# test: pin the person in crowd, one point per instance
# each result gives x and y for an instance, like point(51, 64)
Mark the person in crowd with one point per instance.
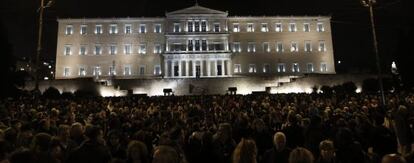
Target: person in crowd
point(137, 152)
point(245, 152)
point(165, 154)
point(393, 158)
point(93, 149)
point(279, 153)
point(223, 143)
point(327, 152)
point(300, 155)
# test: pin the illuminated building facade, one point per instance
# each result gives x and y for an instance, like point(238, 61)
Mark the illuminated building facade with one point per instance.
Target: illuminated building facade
point(194, 42)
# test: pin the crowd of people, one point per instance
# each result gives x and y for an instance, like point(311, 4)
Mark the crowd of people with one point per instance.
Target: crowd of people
point(268, 128)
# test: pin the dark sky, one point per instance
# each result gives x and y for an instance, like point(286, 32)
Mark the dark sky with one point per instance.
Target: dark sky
point(351, 30)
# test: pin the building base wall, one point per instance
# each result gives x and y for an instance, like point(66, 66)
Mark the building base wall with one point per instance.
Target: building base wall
point(244, 85)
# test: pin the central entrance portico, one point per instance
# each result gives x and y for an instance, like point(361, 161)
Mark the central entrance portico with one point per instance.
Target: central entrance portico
point(197, 65)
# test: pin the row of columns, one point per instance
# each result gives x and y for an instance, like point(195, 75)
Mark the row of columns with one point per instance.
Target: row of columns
point(169, 67)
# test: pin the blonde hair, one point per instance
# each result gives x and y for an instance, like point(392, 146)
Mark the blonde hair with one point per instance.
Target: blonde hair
point(245, 152)
point(300, 155)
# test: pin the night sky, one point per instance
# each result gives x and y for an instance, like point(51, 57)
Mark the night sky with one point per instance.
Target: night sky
point(351, 30)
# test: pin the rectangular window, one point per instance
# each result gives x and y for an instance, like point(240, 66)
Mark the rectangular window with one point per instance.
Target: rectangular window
point(112, 49)
point(69, 30)
point(190, 26)
point(281, 67)
point(295, 67)
point(157, 28)
point(266, 68)
point(279, 47)
point(294, 46)
point(82, 71)
point(237, 68)
point(251, 47)
point(324, 67)
point(197, 26)
point(322, 47)
point(157, 70)
point(141, 70)
point(320, 27)
point(264, 27)
point(308, 46)
point(128, 29)
point(67, 50)
point(278, 27)
point(266, 47)
point(236, 47)
point(142, 49)
point(177, 27)
point(112, 70)
point(113, 29)
point(97, 71)
point(250, 27)
point(98, 49)
point(142, 28)
point(190, 45)
point(66, 71)
point(216, 27)
point(127, 70)
point(157, 48)
point(203, 26)
point(203, 45)
point(128, 49)
point(83, 29)
point(252, 68)
point(236, 27)
point(82, 50)
point(98, 29)
point(292, 27)
point(310, 67)
point(197, 45)
point(306, 27)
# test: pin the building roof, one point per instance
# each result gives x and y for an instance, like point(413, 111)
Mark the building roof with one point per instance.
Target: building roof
point(198, 10)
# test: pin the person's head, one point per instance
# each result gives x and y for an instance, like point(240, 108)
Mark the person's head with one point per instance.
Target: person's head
point(64, 131)
point(76, 130)
point(137, 150)
point(165, 154)
point(93, 133)
point(279, 140)
point(55, 149)
point(245, 151)
point(300, 155)
point(393, 158)
point(41, 142)
point(224, 131)
point(327, 150)
point(22, 156)
point(114, 138)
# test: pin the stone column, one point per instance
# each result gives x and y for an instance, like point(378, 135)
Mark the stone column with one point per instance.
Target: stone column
point(194, 68)
point(179, 68)
point(186, 69)
point(208, 67)
point(222, 67)
point(165, 68)
point(201, 68)
point(215, 68)
point(229, 71)
point(172, 68)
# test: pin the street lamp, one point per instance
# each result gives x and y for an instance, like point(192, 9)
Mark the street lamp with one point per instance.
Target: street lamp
point(369, 4)
point(39, 41)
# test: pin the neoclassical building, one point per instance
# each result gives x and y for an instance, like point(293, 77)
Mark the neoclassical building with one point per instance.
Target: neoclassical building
point(195, 42)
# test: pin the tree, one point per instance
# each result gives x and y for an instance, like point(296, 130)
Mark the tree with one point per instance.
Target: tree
point(51, 92)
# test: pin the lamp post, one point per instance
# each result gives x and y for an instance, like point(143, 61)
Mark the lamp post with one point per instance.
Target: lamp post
point(39, 41)
point(369, 4)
